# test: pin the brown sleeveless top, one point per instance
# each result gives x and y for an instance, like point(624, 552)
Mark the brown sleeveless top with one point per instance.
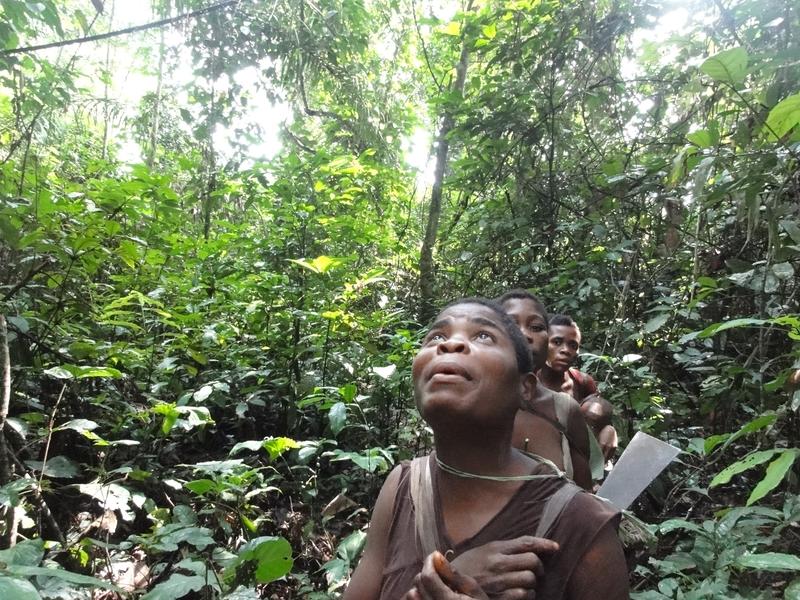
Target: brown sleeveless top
point(575, 529)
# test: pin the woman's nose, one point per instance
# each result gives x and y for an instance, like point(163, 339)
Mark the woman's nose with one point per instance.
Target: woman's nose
point(453, 344)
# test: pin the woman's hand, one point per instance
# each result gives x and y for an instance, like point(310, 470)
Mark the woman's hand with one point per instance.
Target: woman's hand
point(440, 581)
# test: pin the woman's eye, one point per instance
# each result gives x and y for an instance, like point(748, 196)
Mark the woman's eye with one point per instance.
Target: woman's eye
point(435, 337)
point(484, 336)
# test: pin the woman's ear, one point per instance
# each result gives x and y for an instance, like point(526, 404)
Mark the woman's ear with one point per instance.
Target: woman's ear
point(528, 383)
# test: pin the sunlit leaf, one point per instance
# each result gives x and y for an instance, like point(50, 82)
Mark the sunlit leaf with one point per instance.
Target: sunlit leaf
point(728, 66)
point(783, 117)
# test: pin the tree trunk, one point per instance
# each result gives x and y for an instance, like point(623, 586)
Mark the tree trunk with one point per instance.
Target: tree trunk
point(151, 151)
point(426, 264)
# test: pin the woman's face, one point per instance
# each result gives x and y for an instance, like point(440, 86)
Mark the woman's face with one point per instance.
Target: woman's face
point(467, 368)
point(533, 325)
point(565, 341)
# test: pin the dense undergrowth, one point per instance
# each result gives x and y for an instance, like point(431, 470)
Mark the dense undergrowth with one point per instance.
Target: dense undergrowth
point(209, 350)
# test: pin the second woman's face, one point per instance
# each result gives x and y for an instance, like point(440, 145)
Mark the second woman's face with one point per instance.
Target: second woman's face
point(533, 325)
point(466, 367)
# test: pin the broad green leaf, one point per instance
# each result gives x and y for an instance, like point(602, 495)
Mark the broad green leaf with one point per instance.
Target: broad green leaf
point(77, 578)
point(727, 439)
point(321, 264)
point(203, 393)
point(17, 589)
point(273, 557)
point(702, 138)
point(110, 496)
point(728, 66)
point(770, 561)
point(59, 373)
point(177, 586)
point(277, 446)
point(452, 28)
point(489, 31)
point(734, 323)
point(20, 323)
point(251, 445)
point(748, 462)
point(370, 460)
point(656, 323)
point(168, 537)
point(351, 546)
point(792, 592)
point(783, 117)
point(201, 486)
point(337, 416)
point(673, 524)
point(27, 552)
point(79, 425)
point(776, 471)
point(59, 467)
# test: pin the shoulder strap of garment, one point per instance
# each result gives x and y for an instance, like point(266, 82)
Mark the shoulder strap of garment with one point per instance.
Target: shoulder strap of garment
point(561, 404)
point(597, 463)
point(554, 507)
point(421, 489)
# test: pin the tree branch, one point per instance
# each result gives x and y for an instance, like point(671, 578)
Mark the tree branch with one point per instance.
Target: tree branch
point(119, 32)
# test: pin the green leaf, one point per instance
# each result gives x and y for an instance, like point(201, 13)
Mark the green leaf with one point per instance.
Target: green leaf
point(59, 373)
point(351, 546)
point(371, 460)
point(776, 471)
point(783, 117)
point(277, 446)
point(201, 486)
point(702, 138)
point(337, 416)
point(728, 66)
point(27, 552)
point(321, 264)
point(79, 425)
point(77, 578)
point(273, 556)
point(656, 323)
point(452, 28)
point(792, 592)
point(177, 586)
point(17, 589)
point(489, 31)
point(756, 424)
point(770, 561)
point(251, 445)
point(59, 467)
point(732, 324)
point(203, 393)
point(748, 462)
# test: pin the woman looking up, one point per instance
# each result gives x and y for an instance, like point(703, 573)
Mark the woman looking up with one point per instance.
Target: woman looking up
point(470, 375)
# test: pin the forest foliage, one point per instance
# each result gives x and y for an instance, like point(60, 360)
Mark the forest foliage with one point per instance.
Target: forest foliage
point(209, 344)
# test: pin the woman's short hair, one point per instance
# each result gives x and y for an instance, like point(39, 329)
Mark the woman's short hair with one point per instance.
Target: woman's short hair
point(562, 320)
point(521, 294)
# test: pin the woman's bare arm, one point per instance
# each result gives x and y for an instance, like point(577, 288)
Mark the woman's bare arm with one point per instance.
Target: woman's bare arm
point(602, 572)
point(366, 580)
